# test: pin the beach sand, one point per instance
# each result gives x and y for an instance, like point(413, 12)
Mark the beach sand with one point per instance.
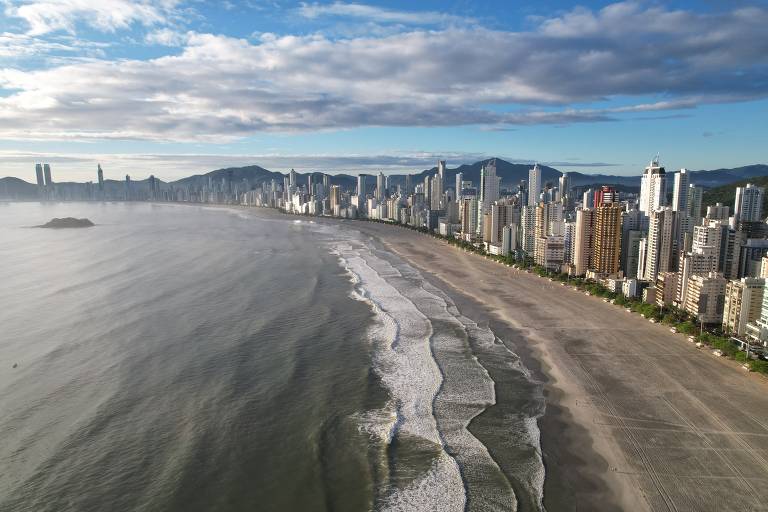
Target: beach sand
point(636, 417)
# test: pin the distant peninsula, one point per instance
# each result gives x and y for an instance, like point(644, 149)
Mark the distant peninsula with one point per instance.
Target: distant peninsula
point(67, 222)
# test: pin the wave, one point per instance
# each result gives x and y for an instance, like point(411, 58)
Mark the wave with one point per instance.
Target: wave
point(422, 354)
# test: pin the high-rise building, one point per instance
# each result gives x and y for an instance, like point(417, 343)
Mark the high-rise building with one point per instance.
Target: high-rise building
point(605, 195)
point(680, 191)
point(661, 244)
point(381, 187)
point(534, 185)
point(489, 191)
point(717, 211)
point(459, 179)
point(630, 246)
point(47, 173)
point(705, 298)
point(100, 176)
point(528, 229)
point(468, 217)
point(436, 194)
point(569, 241)
point(749, 203)
point(39, 175)
point(361, 185)
point(653, 188)
point(695, 195)
point(564, 184)
point(743, 301)
point(583, 241)
point(440, 185)
point(335, 199)
point(151, 182)
point(607, 239)
point(292, 177)
point(408, 184)
point(588, 199)
point(501, 215)
point(127, 187)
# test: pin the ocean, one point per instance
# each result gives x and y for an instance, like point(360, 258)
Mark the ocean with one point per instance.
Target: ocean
point(184, 358)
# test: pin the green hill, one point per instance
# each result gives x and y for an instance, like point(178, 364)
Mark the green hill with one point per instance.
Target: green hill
point(726, 194)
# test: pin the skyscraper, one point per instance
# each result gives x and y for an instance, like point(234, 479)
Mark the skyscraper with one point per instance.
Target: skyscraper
point(661, 244)
point(39, 175)
point(127, 187)
point(361, 185)
point(680, 192)
point(380, 187)
point(583, 240)
point(438, 184)
point(695, 195)
point(501, 215)
point(749, 203)
point(100, 175)
point(534, 185)
point(47, 173)
point(607, 238)
point(653, 188)
point(292, 177)
point(335, 199)
point(605, 195)
point(564, 184)
point(528, 229)
point(489, 191)
point(459, 178)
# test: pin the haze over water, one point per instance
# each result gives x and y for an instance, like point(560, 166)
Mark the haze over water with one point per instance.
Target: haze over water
point(189, 358)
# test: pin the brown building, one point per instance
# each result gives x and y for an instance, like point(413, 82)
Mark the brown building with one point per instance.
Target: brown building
point(607, 239)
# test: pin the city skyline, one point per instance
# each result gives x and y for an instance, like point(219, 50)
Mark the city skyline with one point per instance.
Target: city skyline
point(174, 88)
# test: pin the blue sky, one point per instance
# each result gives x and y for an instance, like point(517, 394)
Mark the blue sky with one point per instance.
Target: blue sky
point(175, 87)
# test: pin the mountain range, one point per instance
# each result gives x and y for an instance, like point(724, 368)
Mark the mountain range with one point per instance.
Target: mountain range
point(511, 174)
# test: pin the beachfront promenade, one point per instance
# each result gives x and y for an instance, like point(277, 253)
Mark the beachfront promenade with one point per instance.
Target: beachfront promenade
point(637, 417)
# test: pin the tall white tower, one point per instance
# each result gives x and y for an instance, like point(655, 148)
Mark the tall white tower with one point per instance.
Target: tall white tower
point(749, 203)
point(534, 185)
point(653, 188)
point(680, 193)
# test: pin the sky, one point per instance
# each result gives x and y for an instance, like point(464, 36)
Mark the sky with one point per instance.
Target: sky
point(174, 87)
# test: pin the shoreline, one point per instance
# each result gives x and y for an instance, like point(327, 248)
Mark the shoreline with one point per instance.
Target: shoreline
point(557, 420)
point(609, 395)
point(636, 418)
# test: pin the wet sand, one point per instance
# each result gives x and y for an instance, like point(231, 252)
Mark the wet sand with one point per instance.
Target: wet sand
point(636, 417)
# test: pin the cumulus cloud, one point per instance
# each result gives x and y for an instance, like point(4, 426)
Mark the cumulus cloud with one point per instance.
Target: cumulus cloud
point(219, 88)
point(44, 16)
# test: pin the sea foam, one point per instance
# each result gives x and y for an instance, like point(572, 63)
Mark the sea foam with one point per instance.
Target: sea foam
point(422, 355)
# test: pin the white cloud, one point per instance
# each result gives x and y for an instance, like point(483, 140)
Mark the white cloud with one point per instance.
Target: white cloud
point(166, 37)
point(44, 16)
point(378, 14)
point(220, 88)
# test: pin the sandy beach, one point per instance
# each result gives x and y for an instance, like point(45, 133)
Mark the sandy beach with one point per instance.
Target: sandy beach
point(636, 417)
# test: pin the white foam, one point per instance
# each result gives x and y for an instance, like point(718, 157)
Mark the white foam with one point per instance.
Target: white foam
point(405, 305)
point(403, 360)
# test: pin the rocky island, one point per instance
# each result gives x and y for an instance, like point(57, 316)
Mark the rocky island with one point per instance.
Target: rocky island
point(67, 222)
